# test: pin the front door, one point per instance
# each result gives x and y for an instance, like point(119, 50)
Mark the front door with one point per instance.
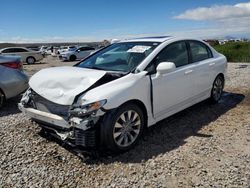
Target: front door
point(173, 90)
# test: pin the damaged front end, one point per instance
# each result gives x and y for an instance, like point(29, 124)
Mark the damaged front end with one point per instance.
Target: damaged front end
point(76, 124)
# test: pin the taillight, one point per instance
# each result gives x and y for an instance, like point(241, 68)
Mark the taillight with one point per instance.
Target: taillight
point(13, 65)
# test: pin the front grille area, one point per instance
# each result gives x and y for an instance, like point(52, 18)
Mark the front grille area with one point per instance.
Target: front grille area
point(42, 104)
point(85, 138)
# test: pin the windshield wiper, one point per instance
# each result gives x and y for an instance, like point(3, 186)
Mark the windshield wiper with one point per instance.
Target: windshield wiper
point(97, 68)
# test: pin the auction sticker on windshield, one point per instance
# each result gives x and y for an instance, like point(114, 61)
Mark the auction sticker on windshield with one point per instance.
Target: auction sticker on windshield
point(139, 49)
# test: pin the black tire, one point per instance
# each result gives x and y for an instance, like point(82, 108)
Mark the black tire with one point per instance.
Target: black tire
point(217, 89)
point(72, 58)
point(30, 60)
point(109, 130)
point(2, 99)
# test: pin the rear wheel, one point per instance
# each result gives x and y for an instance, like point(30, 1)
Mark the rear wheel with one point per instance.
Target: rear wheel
point(217, 89)
point(72, 58)
point(122, 128)
point(2, 98)
point(30, 60)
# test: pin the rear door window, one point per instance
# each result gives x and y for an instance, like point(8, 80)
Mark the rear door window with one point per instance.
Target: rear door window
point(199, 51)
point(9, 50)
point(20, 50)
point(86, 48)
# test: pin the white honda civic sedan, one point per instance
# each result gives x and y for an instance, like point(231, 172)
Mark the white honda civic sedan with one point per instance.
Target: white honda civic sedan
point(109, 98)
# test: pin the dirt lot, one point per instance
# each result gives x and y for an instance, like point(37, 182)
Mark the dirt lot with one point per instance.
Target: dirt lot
point(203, 146)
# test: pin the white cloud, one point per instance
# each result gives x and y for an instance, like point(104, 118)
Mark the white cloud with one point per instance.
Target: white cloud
point(74, 39)
point(217, 12)
point(49, 39)
point(208, 33)
point(225, 19)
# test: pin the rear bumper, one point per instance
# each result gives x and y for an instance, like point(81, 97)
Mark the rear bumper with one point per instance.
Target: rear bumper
point(64, 58)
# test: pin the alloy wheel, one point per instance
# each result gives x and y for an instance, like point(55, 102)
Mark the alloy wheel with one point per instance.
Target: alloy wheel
point(127, 128)
point(30, 60)
point(218, 88)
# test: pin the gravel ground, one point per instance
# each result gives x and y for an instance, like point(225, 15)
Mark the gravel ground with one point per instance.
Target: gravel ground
point(203, 146)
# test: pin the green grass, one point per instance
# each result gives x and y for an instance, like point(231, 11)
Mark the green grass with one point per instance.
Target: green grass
point(235, 51)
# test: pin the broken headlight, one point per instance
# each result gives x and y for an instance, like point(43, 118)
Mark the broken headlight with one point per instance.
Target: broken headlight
point(26, 96)
point(87, 109)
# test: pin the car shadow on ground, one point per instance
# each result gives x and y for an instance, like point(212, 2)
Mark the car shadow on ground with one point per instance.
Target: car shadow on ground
point(166, 135)
point(36, 63)
point(10, 107)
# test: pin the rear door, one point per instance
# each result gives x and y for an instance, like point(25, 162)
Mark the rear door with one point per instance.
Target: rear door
point(204, 66)
point(173, 90)
point(84, 52)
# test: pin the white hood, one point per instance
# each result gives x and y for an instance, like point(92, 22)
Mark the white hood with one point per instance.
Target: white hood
point(61, 84)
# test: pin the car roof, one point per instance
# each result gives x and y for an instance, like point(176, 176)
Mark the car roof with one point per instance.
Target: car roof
point(15, 48)
point(149, 39)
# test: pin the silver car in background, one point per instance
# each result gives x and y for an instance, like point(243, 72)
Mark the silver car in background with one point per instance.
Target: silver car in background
point(13, 80)
point(27, 55)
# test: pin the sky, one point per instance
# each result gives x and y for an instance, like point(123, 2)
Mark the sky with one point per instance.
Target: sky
point(96, 20)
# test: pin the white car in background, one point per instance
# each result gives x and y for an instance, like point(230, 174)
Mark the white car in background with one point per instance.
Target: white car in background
point(79, 53)
point(66, 49)
point(110, 97)
point(27, 56)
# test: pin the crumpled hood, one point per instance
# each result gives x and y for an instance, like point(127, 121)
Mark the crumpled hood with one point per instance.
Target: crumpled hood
point(61, 84)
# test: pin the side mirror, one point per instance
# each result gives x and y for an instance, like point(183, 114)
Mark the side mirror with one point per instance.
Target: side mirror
point(165, 67)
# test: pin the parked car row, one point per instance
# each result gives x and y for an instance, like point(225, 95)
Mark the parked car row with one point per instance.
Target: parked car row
point(13, 80)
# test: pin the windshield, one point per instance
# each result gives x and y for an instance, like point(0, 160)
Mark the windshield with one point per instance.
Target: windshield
point(122, 57)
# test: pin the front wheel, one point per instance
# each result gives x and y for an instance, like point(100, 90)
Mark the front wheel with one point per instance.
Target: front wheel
point(217, 89)
point(30, 60)
point(72, 58)
point(122, 128)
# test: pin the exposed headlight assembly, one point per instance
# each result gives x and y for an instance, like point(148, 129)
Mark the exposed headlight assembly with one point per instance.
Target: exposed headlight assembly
point(26, 96)
point(87, 109)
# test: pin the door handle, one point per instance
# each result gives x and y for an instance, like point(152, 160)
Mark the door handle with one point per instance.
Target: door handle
point(188, 71)
point(211, 64)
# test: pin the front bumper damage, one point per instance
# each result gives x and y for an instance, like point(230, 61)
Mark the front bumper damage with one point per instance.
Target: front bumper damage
point(78, 131)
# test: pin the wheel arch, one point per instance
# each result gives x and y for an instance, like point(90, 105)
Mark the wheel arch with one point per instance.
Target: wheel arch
point(223, 77)
point(72, 55)
point(142, 106)
point(30, 56)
